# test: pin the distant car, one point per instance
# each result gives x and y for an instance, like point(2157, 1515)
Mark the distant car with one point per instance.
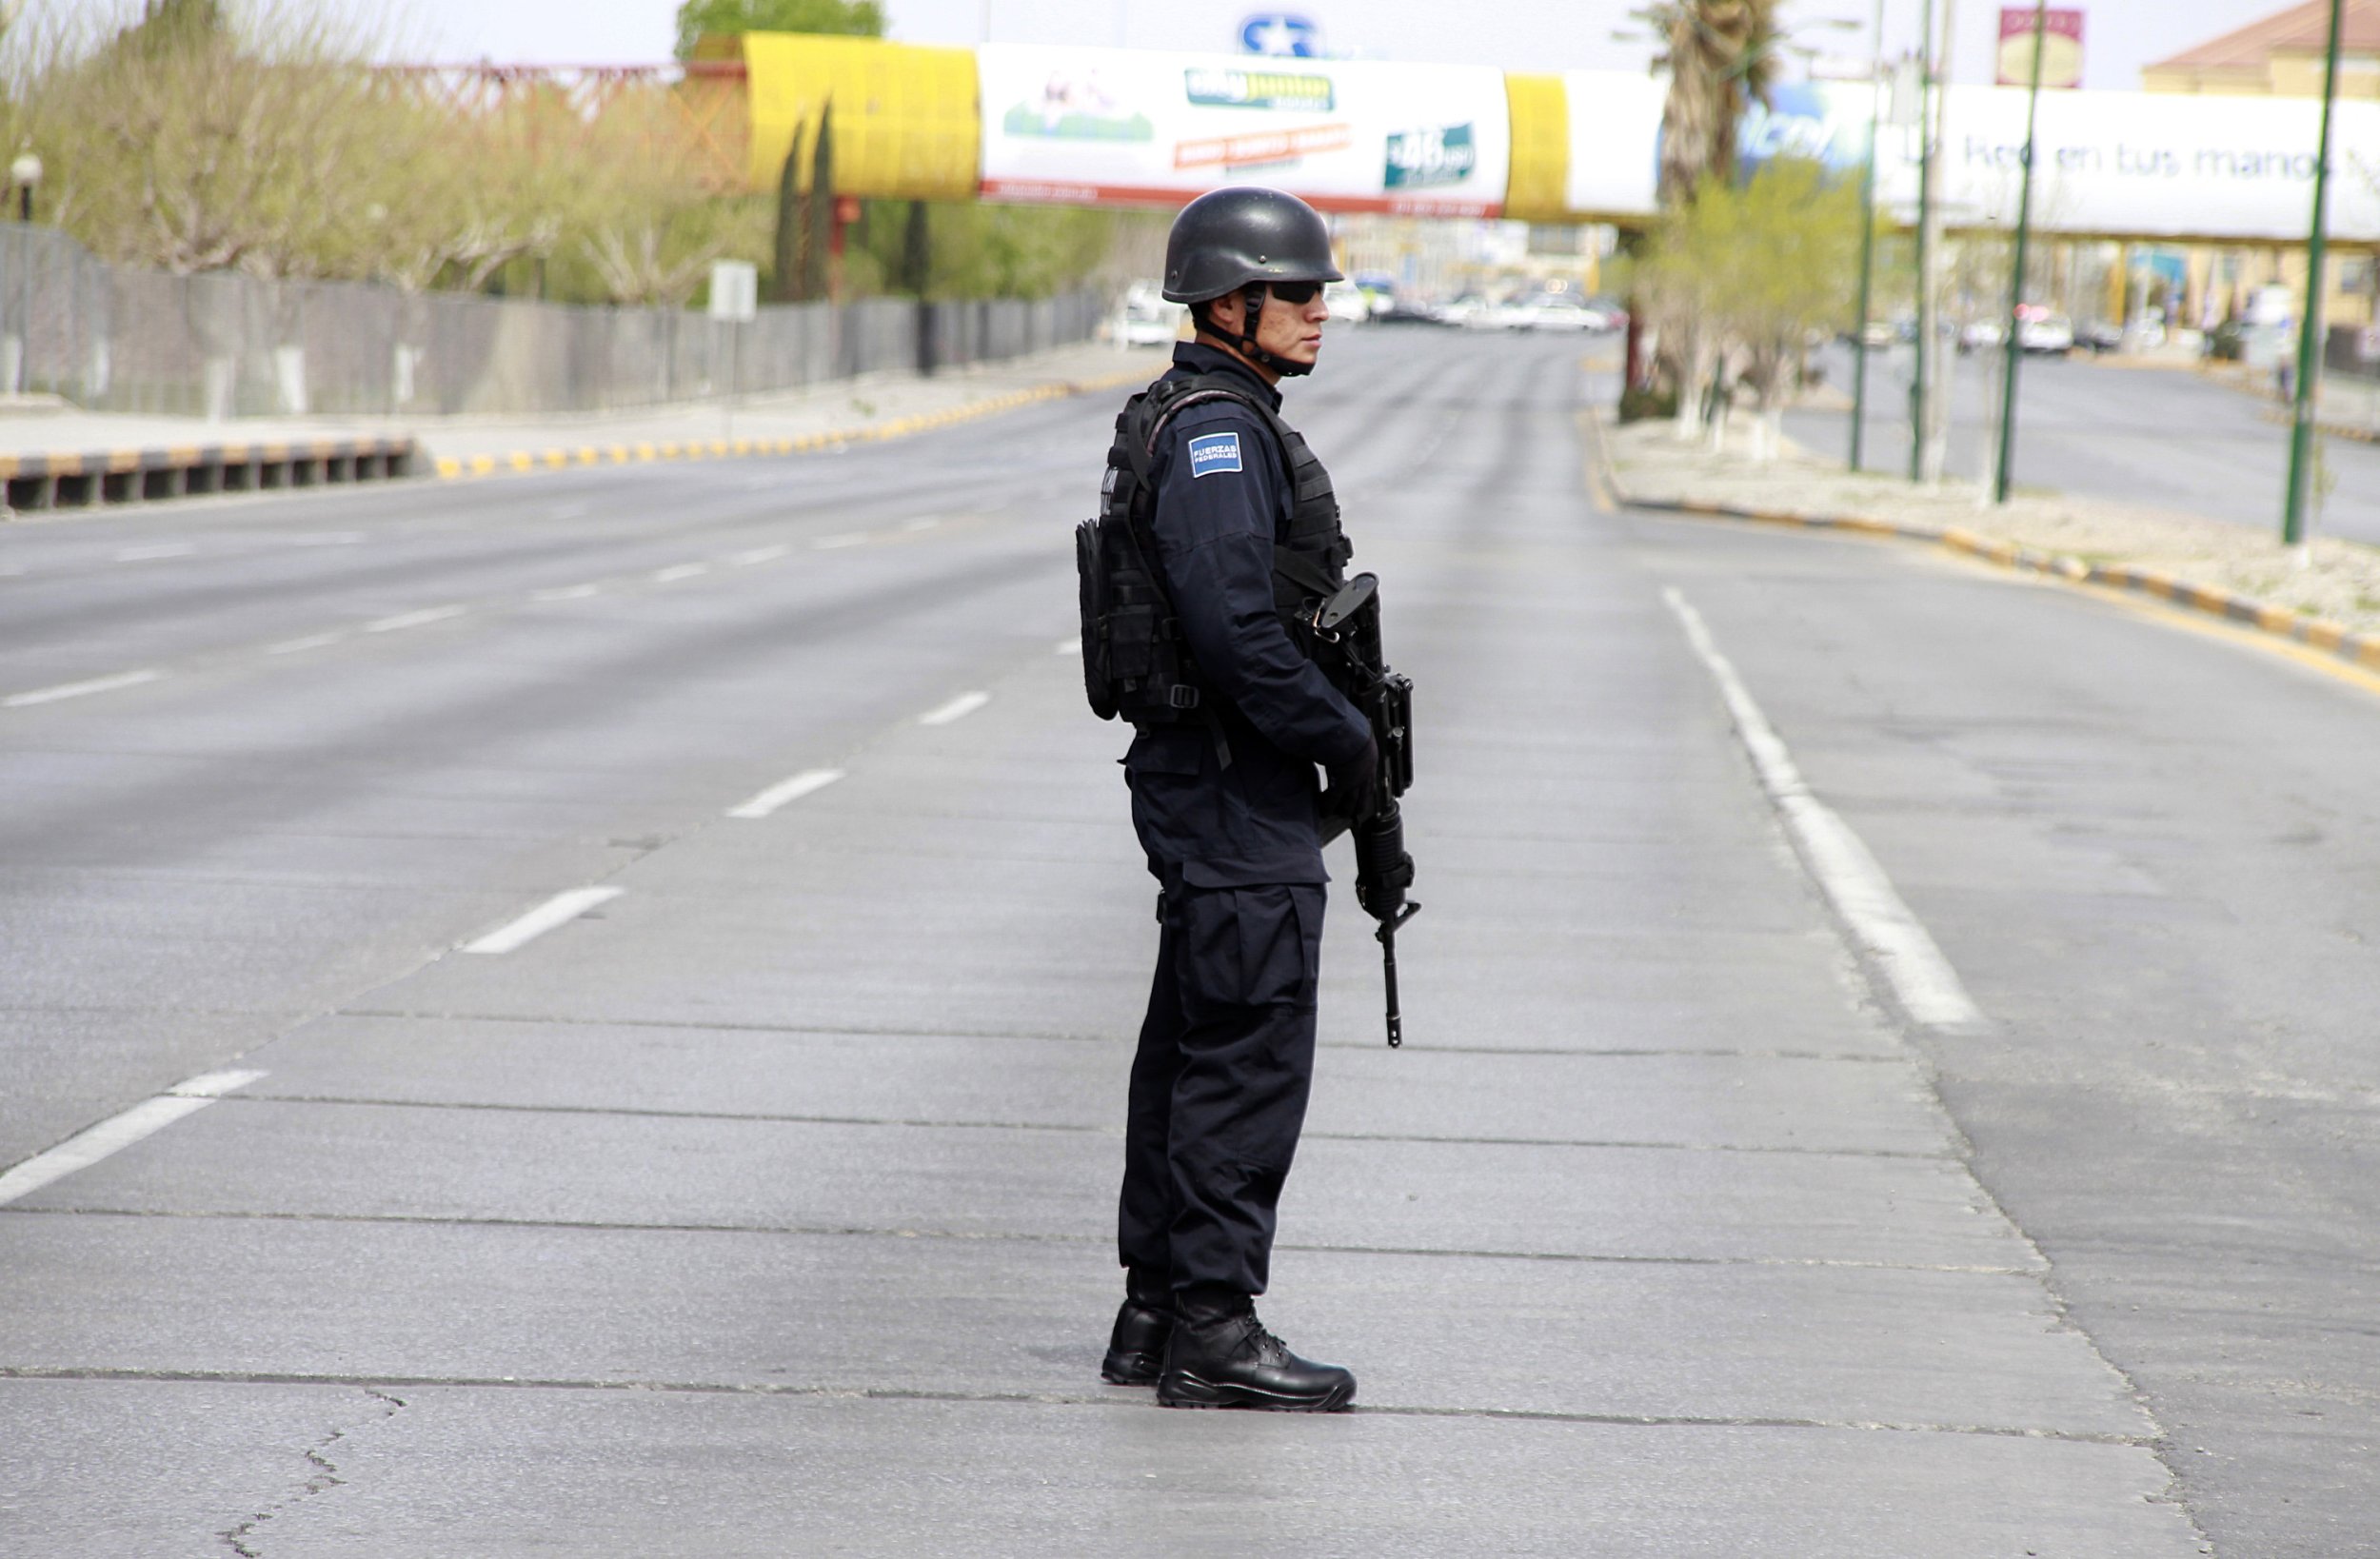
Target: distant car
point(1563, 311)
point(1148, 319)
point(1878, 333)
point(1346, 302)
point(1982, 335)
point(1512, 314)
point(2102, 336)
point(2046, 335)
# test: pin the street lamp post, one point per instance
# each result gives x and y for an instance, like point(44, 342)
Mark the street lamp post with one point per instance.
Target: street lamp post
point(2016, 282)
point(2310, 328)
point(1921, 406)
point(23, 173)
point(1867, 251)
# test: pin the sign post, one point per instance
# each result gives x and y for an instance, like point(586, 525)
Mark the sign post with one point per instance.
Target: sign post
point(735, 303)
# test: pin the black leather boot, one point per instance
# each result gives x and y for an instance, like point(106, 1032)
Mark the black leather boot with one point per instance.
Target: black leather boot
point(1136, 1349)
point(1221, 1357)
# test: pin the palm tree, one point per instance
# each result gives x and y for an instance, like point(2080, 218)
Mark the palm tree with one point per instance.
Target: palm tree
point(1721, 56)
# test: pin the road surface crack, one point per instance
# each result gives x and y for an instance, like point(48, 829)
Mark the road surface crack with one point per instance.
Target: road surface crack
point(244, 1538)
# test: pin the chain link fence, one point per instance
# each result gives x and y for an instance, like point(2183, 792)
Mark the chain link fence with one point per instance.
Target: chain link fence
point(229, 345)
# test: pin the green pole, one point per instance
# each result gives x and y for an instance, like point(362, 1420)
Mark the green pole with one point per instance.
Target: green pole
point(2309, 357)
point(1867, 252)
point(1925, 244)
point(2024, 244)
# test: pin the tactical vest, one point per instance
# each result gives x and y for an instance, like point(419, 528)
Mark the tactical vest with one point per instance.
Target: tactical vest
point(1135, 663)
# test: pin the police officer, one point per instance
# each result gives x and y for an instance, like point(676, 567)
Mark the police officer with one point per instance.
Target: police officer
point(1227, 807)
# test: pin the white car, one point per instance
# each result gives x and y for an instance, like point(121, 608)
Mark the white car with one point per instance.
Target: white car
point(1346, 302)
point(2049, 335)
point(1980, 335)
point(1148, 319)
point(1564, 312)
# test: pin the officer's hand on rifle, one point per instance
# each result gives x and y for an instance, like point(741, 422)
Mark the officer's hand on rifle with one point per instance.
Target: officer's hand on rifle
point(1354, 790)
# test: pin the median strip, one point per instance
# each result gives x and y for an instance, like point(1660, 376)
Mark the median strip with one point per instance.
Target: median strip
point(643, 452)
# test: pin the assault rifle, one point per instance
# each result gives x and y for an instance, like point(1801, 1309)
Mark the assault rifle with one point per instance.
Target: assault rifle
point(1350, 621)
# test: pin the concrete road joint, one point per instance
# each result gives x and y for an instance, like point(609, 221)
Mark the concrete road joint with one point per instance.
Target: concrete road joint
point(1119, 1397)
point(992, 1236)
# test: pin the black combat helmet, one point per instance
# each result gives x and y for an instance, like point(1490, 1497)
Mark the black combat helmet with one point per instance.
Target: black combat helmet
point(1228, 238)
point(1243, 240)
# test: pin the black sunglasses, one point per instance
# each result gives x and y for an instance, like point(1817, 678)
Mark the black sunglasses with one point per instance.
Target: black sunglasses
point(1296, 292)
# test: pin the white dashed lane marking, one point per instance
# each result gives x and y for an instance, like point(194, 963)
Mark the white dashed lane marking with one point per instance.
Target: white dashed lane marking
point(313, 641)
point(150, 554)
point(678, 571)
point(957, 709)
point(119, 1132)
point(414, 619)
point(566, 592)
point(76, 690)
point(785, 791)
point(758, 554)
point(849, 537)
point(560, 909)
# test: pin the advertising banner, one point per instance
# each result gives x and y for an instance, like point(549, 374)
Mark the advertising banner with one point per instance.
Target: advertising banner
point(2151, 164)
point(1128, 126)
point(2124, 164)
point(2062, 56)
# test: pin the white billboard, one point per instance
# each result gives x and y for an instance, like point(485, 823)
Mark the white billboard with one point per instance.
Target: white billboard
point(1128, 126)
point(2153, 164)
point(2129, 165)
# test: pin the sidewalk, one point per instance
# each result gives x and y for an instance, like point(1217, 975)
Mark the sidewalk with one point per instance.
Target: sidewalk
point(2330, 592)
point(872, 407)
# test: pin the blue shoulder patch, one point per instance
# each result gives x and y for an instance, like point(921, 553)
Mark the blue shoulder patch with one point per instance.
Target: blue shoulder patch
point(1212, 452)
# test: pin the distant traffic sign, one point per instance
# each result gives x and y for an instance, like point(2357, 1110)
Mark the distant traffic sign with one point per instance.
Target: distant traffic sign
point(1287, 36)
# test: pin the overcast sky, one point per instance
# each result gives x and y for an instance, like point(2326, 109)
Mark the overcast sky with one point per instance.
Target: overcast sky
point(2121, 35)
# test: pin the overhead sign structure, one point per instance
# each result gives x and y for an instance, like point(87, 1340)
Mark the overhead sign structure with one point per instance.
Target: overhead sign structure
point(1284, 37)
point(2062, 48)
point(1121, 127)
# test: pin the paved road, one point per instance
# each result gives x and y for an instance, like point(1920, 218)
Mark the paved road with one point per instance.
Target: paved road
point(770, 1196)
point(2164, 438)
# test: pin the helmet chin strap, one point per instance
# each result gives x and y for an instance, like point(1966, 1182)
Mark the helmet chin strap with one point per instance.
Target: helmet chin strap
point(1251, 313)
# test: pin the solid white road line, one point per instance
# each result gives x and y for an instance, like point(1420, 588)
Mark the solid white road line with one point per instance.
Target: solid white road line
point(86, 1148)
point(958, 708)
point(560, 910)
point(313, 641)
point(566, 592)
point(414, 619)
point(1928, 987)
point(164, 550)
point(76, 690)
point(785, 791)
point(678, 571)
point(758, 554)
point(849, 537)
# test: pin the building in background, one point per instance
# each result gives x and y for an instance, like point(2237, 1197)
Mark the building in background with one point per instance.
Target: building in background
point(2280, 57)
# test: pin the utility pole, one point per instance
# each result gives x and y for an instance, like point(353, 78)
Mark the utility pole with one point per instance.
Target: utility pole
point(1867, 251)
point(1920, 401)
point(2016, 282)
point(2309, 330)
point(1941, 380)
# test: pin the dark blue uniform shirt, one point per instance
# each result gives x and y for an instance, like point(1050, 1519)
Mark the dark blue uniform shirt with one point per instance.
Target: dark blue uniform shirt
point(1219, 507)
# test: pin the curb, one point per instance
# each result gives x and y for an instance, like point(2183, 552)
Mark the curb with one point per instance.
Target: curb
point(557, 459)
point(2279, 621)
